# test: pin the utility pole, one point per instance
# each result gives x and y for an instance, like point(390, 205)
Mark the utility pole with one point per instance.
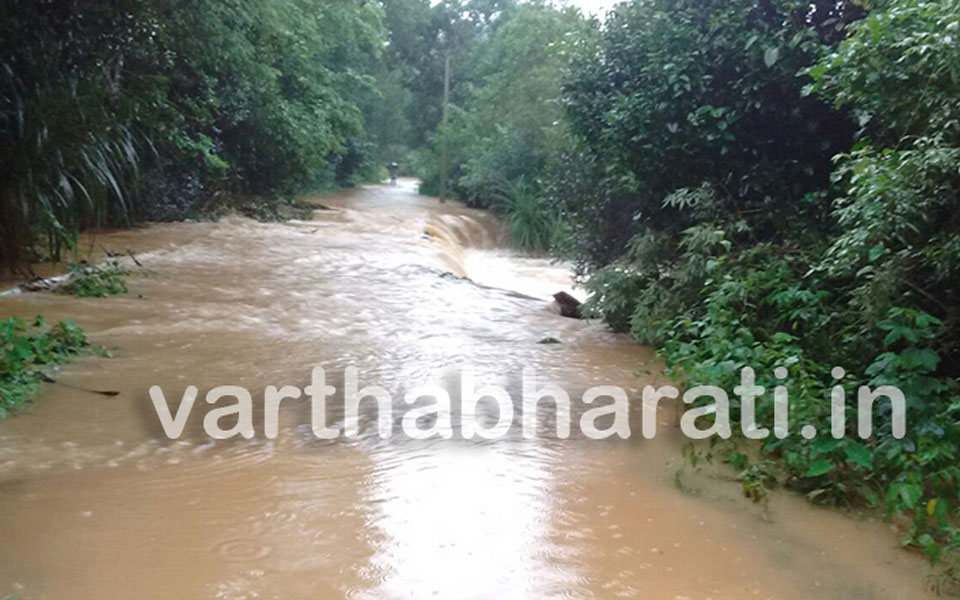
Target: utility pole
point(443, 122)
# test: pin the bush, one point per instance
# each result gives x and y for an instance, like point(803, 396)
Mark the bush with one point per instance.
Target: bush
point(532, 225)
point(751, 245)
point(26, 349)
point(106, 279)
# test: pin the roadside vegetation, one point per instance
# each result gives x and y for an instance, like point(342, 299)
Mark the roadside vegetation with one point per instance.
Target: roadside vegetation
point(791, 181)
point(114, 112)
point(26, 349)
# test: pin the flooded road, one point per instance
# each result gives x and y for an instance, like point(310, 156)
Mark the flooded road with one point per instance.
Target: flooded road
point(95, 503)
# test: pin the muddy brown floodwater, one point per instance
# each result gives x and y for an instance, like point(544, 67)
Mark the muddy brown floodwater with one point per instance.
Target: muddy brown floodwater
point(95, 503)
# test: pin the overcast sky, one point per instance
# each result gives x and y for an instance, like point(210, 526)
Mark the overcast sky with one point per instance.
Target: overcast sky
point(591, 7)
point(597, 7)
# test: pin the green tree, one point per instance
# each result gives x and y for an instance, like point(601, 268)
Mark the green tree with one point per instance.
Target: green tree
point(684, 93)
point(108, 109)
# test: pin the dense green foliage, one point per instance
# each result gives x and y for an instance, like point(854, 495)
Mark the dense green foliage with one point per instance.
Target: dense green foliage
point(691, 110)
point(508, 125)
point(26, 349)
point(505, 125)
point(761, 234)
point(115, 111)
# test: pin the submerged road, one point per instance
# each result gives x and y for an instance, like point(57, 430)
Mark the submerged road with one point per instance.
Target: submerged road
point(95, 502)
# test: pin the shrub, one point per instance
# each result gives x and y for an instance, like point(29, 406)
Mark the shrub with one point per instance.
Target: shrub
point(105, 279)
point(770, 253)
point(26, 349)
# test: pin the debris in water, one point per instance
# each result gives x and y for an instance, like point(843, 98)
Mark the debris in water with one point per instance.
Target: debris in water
point(569, 306)
point(48, 379)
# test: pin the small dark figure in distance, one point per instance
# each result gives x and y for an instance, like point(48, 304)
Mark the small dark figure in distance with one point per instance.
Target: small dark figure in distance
point(394, 167)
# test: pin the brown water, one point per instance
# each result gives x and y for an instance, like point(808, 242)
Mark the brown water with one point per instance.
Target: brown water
point(95, 503)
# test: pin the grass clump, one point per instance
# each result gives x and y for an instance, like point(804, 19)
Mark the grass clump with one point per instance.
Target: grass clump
point(26, 349)
point(532, 223)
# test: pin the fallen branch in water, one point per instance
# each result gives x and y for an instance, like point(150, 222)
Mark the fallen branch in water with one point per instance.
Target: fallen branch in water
point(134, 258)
point(48, 379)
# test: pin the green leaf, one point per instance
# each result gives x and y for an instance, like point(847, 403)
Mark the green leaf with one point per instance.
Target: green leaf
point(859, 454)
point(819, 467)
point(771, 56)
point(824, 445)
point(909, 494)
point(917, 358)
